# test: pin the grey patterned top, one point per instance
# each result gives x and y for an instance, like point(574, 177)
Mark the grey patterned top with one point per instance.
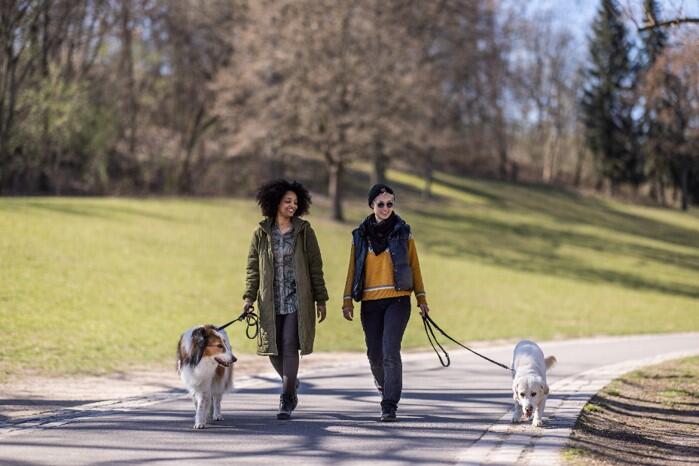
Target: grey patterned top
point(285, 299)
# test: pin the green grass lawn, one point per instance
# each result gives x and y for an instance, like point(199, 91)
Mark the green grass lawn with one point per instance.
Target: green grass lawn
point(100, 284)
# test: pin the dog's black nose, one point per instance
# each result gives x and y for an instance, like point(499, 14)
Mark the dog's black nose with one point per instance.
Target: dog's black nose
point(233, 359)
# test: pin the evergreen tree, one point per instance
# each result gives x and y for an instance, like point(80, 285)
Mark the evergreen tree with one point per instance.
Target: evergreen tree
point(606, 103)
point(653, 39)
point(653, 43)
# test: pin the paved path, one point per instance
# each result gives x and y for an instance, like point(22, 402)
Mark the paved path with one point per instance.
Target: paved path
point(450, 416)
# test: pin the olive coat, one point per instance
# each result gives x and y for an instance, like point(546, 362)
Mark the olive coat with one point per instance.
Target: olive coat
point(310, 284)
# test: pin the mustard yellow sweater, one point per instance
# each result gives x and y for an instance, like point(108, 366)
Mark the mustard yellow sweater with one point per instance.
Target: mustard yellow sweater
point(378, 277)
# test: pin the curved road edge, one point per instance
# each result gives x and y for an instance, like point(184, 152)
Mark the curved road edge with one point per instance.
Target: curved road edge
point(507, 443)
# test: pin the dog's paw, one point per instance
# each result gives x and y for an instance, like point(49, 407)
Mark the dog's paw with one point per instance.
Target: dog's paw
point(516, 419)
point(218, 418)
point(199, 425)
point(537, 422)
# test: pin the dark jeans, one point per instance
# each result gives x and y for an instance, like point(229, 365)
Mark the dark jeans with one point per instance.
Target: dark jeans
point(384, 322)
point(286, 363)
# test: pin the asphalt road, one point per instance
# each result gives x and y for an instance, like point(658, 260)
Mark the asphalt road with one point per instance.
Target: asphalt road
point(442, 414)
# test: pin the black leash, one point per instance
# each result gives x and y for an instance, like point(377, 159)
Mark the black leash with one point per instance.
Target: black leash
point(251, 320)
point(430, 325)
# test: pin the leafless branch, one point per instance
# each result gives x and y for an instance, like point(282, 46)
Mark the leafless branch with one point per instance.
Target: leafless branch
point(669, 23)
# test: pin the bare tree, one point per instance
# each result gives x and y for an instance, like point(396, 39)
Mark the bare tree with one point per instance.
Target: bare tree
point(196, 33)
point(293, 85)
point(18, 21)
point(544, 87)
point(634, 9)
point(672, 91)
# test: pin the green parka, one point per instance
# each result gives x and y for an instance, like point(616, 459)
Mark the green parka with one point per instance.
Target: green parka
point(310, 285)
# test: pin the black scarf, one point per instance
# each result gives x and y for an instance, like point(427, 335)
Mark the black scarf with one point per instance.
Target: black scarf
point(377, 232)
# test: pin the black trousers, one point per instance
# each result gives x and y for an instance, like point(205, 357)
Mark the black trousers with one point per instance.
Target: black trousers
point(286, 362)
point(384, 322)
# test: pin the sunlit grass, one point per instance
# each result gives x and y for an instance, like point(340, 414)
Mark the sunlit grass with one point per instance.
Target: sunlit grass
point(97, 284)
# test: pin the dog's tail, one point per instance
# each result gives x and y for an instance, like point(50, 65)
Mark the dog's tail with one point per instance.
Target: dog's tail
point(550, 361)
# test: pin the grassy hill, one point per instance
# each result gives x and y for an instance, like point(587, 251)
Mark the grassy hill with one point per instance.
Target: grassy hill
point(97, 284)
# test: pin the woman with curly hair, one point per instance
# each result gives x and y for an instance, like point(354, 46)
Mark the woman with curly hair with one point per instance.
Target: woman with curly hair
point(285, 277)
point(383, 272)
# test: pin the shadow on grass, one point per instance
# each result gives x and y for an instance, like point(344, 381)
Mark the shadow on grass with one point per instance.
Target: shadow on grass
point(484, 234)
point(611, 432)
point(531, 248)
point(85, 208)
point(569, 207)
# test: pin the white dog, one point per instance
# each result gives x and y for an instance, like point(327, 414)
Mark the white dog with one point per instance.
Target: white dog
point(529, 386)
point(205, 364)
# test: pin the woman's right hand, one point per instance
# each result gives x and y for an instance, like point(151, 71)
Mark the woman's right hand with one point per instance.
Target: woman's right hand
point(247, 305)
point(348, 313)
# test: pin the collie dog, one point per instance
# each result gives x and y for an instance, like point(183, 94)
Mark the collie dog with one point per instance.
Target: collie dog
point(529, 386)
point(205, 365)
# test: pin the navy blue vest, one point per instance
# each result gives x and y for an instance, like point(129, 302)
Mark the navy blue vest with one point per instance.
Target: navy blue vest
point(398, 248)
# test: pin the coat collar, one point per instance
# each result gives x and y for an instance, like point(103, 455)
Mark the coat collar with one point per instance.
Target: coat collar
point(298, 224)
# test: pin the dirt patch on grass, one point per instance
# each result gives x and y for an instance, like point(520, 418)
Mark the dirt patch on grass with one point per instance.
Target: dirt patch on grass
point(646, 417)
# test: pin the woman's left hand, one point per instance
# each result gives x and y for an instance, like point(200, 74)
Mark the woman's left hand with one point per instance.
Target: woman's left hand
point(424, 309)
point(321, 311)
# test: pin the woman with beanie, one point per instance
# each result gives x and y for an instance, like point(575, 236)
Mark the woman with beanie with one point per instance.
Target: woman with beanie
point(383, 272)
point(285, 277)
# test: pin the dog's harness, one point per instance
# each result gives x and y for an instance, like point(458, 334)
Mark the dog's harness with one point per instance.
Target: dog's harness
point(251, 320)
point(430, 325)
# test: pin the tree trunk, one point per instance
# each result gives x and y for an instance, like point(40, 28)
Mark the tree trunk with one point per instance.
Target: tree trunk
point(127, 74)
point(429, 170)
point(277, 163)
point(555, 157)
point(46, 152)
point(502, 151)
point(546, 164)
point(674, 193)
point(599, 182)
point(335, 170)
point(579, 166)
point(7, 109)
point(56, 177)
point(198, 127)
point(661, 190)
point(684, 175)
point(514, 171)
point(380, 162)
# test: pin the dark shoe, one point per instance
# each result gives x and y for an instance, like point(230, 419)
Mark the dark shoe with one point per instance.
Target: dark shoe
point(388, 415)
point(286, 406)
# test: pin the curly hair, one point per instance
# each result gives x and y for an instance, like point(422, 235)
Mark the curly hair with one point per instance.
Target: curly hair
point(270, 194)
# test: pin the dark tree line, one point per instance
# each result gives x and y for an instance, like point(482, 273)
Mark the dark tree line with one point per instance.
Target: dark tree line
point(211, 96)
point(640, 105)
point(100, 96)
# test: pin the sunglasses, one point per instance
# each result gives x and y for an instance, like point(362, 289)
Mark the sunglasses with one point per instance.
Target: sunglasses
point(381, 205)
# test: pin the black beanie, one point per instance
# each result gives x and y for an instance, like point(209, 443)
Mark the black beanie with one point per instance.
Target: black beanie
point(378, 189)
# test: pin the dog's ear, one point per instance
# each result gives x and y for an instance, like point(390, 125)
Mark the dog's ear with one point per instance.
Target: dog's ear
point(198, 346)
point(181, 355)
